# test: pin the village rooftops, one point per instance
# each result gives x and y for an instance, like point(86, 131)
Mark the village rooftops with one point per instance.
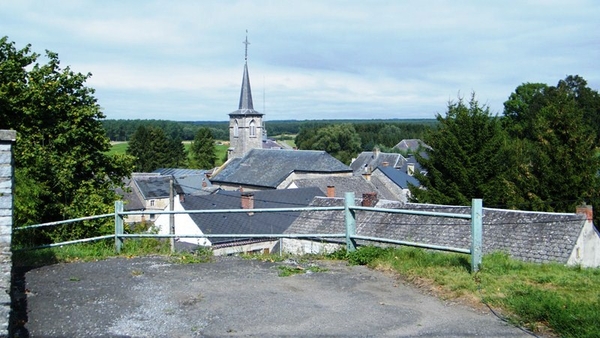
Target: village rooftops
point(268, 168)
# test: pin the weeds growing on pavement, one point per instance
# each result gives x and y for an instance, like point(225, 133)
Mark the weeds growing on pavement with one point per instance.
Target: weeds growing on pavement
point(535, 296)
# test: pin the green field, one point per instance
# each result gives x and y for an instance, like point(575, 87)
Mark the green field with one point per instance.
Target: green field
point(220, 149)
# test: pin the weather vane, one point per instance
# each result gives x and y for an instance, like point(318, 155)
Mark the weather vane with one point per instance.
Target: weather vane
point(246, 43)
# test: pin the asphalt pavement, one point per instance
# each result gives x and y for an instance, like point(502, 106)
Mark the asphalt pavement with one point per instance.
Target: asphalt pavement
point(153, 297)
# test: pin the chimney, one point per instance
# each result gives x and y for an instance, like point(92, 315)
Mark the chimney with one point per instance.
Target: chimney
point(410, 169)
point(385, 164)
point(369, 199)
point(375, 152)
point(248, 201)
point(330, 191)
point(367, 176)
point(587, 210)
point(204, 184)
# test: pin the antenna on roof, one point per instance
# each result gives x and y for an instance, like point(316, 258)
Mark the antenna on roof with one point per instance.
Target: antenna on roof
point(246, 43)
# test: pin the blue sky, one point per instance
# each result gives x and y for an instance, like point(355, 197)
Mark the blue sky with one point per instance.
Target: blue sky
point(183, 60)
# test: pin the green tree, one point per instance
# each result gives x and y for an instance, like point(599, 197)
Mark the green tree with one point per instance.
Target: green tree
point(468, 159)
point(152, 149)
point(557, 156)
point(339, 140)
point(61, 167)
point(202, 150)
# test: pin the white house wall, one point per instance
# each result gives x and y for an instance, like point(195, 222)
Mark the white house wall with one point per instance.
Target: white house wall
point(184, 225)
point(587, 249)
point(303, 246)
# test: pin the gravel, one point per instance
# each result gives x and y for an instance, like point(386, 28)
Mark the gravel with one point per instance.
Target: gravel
point(153, 297)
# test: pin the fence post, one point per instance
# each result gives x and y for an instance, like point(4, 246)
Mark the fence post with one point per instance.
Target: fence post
point(350, 218)
point(476, 234)
point(118, 226)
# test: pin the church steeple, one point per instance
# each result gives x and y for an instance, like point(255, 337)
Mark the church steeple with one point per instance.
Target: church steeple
point(245, 124)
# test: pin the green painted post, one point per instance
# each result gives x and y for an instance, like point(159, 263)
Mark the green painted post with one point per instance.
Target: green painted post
point(350, 221)
point(118, 226)
point(476, 234)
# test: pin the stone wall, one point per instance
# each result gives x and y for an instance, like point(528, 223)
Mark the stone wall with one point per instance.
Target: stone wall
point(7, 140)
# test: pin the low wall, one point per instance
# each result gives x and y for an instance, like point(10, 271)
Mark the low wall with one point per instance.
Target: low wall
point(7, 140)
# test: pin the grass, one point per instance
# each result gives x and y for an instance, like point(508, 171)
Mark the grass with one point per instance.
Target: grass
point(538, 297)
point(86, 252)
point(220, 150)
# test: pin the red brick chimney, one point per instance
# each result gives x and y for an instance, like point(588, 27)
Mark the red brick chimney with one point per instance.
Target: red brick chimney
point(248, 201)
point(369, 199)
point(587, 210)
point(385, 164)
point(330, 191)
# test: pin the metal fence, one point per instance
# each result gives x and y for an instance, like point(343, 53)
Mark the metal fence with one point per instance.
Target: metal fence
point(350, 235)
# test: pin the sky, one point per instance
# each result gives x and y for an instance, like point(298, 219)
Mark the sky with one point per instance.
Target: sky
point(183, 60)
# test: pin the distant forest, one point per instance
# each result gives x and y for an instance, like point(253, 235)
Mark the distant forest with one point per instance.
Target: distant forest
point(385, 133)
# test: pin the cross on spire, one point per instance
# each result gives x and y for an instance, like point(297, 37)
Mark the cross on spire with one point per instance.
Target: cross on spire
point(246, 43)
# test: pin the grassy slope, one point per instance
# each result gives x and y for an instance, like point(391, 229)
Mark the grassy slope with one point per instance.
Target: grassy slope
point(220, 150)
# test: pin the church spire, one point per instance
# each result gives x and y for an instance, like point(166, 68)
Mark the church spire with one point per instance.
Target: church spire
point(246, 92)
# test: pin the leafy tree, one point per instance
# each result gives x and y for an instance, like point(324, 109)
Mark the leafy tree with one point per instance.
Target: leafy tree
point(557, 162)
point(61, 167)
point(202, 150)
point(152, 149)
point(468, 159)
point(339, 140)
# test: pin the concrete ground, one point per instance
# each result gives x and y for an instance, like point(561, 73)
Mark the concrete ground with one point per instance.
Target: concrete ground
point(152, 297)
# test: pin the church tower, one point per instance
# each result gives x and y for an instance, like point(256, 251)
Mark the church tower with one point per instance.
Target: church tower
point(245, 124)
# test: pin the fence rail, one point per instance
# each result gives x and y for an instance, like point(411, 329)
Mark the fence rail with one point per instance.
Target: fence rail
point(349, 209)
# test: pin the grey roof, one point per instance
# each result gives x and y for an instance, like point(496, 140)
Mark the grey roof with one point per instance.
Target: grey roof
point(412, 145)
point(155, 187)
point(132, 200)
point(529, 236)
point(271, 144)
point(369, 160)
point(400, 178)
point(267, 168)
point(355, 184)
point(180, 171)
point(242, 223)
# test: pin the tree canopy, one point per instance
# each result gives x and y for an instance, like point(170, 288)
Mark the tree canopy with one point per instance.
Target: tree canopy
point(339, 140)
point(152, 150)
point(202, 150)
point(468, 158)
point(541, 155)
point(61, 167)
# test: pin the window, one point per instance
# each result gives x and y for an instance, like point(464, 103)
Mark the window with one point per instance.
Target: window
point(252, 128)
point(151, 203)
point(236, 130)
point(152, 217)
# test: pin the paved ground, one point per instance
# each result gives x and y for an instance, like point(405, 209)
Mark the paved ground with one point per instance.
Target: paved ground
point(151, 297)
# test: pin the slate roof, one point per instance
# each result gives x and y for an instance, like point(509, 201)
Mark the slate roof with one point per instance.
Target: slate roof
point(155, 187)
point(529, 236)
point(242, 223)
point(355, 184)
point(132, 200)
point(369, 160)
point(267, 168)
point(179, 171)
point(411, 144)
point(399, 177)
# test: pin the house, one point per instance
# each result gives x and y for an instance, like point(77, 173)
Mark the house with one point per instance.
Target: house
point(411, 146)
point(237, 223)
point(148, 192)
point(367, 161)
point(336, 186)
point(396, 181)
point(541, 237)
point(191, 181)
point(261, 169)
